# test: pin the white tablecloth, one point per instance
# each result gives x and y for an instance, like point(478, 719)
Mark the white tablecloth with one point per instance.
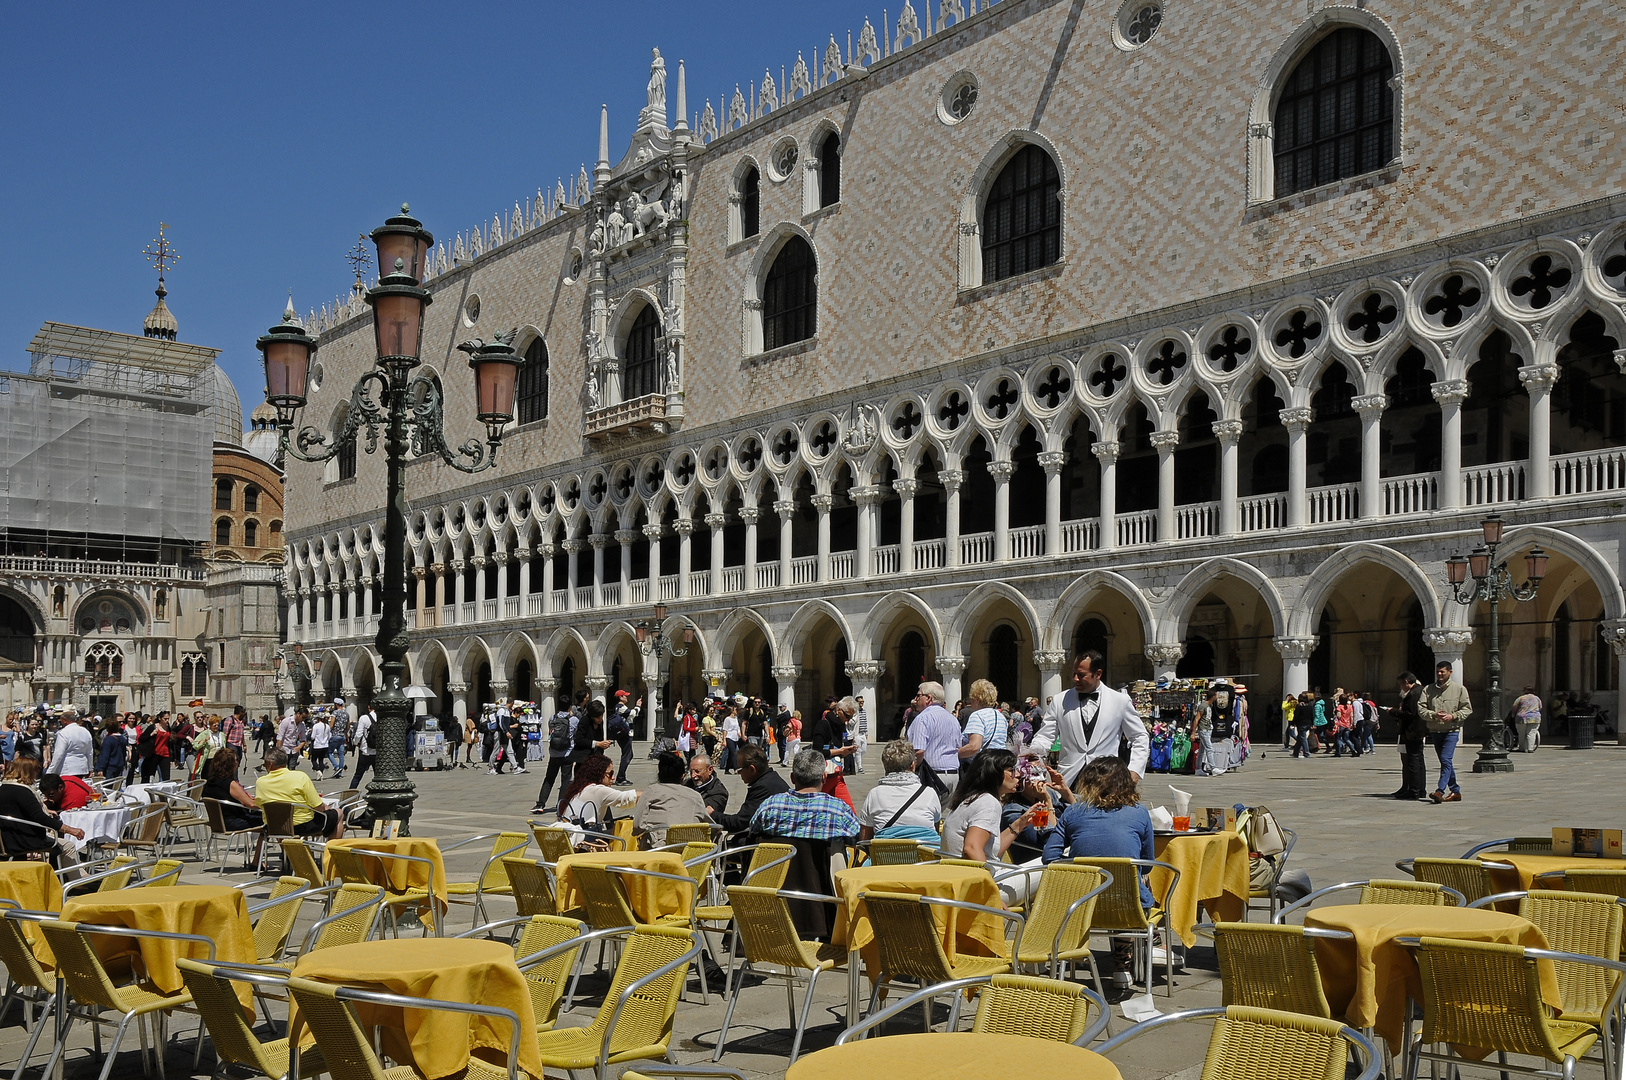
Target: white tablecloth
point(139, 792)
point(99, 824)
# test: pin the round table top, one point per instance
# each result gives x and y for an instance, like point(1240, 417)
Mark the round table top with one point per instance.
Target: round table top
point(944, 1056)
point(147, 896)
point(876, 878)
point(370, 961)
point(1410, 920)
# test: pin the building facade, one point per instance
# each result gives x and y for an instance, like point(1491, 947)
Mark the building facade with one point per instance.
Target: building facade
point(1198, 334)
point(118, 588)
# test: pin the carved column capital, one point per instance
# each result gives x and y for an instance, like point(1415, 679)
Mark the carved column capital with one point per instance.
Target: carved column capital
point(951, 479)
point(1051, 461)
point(716, 521)
point(1370, 403)
point(1227, 431)
point(500, 558)
point(1452, 642)
point(546, 687)
point(1296, 648)
point(750, 514)
point(597, 684)
point(683, 526)
point(1001, 470)
point(420, 572)
point(477, 561)
point(653, 530)
point(599, 540)
point(1540, 376)
point(499, 690)
point(1614, 632)
point(786, 672)
point(866, 496)
point(951, 667)
point(1107, 452)
point(1299, 417)
point(626, 536)
point(785, 508)
point(573, 544)
point(1450, 391)
point(822, 502)
point(1165, 653)
point(1165, 441)
point(522, 553)
point(1049, 659)
point(865, 670)
point(906, 488)
point(457, 688)
point(546, 550)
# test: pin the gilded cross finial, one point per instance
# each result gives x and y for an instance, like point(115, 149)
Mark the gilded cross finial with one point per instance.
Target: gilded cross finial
point(161, 253)
point(359, 261)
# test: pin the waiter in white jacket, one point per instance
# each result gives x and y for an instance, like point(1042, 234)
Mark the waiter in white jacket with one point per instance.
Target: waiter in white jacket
point(1087, 721)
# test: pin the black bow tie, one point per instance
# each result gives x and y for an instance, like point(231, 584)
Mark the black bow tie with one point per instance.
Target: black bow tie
point(1093, 695)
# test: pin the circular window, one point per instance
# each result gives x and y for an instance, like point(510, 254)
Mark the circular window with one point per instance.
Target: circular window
point(783, 160)
point(471, 309)
point(573, 269)
point(1137, 23)
point(86, 625)
point(315, 378)
point(959, 97)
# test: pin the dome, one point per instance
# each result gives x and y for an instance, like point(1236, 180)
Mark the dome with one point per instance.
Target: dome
point(160, 321)
point(224, 407)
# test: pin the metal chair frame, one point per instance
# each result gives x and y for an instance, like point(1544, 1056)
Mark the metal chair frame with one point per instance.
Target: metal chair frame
point(215, 811)
point(1270, 891)
point(1159, 903)
point(495, 860)
point(393, 900)
point(1305, 901)
point(1371, 1061)
point(883, 979)
point(936, 990)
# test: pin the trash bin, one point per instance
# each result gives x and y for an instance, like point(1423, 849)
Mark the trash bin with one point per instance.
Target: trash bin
point(1582, 726)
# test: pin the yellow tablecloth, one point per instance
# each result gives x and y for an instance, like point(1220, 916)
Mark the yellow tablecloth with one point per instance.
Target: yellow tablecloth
point(1213, 871)
point(450, 969)
point(650, 897)
point(1526, 867)
point(1369, 980)
point(396, 875)
point(214, 911)
point(35, 886)
point(957, 1056)
point(971, 933)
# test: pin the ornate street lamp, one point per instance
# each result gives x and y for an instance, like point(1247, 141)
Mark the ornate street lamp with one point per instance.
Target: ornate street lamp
point(409, 411)
point(1492, 583)
point(653, 642)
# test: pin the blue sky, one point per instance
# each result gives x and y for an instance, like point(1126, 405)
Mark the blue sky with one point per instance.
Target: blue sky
point(268, 136)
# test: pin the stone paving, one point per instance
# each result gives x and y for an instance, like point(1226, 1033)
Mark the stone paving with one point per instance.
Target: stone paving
point(1348, 828)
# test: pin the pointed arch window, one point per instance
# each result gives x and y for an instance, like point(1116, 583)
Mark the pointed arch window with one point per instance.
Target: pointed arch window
point(790, 296)
point(532, 397)
point(1021, 221)
point(750, 203)
point(830, 170)
point(1335, 117)
point(640, 362)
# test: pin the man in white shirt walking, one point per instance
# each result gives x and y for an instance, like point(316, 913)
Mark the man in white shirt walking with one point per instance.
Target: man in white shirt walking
point(73, 749)
point(1088, 721)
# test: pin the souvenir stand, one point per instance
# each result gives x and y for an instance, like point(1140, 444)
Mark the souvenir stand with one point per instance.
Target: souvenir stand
point(1169, 709)
point(533, 725)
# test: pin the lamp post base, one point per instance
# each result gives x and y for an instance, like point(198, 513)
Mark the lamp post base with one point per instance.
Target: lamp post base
point(1492, 760)
point(390, 795)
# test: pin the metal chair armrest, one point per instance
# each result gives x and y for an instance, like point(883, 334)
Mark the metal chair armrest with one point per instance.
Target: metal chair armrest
point(1370, 1061)
point(75, 883)
point(126, 931)
point(527, 962)
point(1487, 845)
point(496, 925)
point(464, 843)
point(351, 993)
point(258, 974)
point(166, 875)
point(377, 903)
point(1067, 916)
point(1305, 901)
point(904, 1003)
point(1103, 1015)
point(1497, 898)
point(796, 894)
point(765, 867)
point(966, 905)
point(295, 897)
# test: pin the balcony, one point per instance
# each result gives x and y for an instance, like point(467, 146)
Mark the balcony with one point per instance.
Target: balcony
point(647, 413)
point(97, 569)
point(1027, 542)
point(1589, 473)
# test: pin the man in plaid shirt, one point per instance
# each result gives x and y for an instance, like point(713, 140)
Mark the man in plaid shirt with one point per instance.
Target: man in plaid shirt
point(806, 812)
point(233, 729)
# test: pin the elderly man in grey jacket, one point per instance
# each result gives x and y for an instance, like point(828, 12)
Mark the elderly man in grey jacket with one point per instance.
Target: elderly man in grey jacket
point(1445, 706)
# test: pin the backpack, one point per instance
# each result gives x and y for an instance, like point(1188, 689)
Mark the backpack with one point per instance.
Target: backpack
point(617, 727)
point(559, 734)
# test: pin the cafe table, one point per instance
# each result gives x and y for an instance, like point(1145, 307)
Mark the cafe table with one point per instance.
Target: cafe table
point(1213, 872)
point(99, 822)
point(437, 1042)
point(217, 912)
point(1370, 978)
point(952, 1056)
point(650, 897)
point(396, 875)
point(33, 886)
point(1527, 867)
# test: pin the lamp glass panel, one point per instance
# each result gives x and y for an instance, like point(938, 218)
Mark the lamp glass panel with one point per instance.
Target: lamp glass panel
point(397, 321)
point(286, 365)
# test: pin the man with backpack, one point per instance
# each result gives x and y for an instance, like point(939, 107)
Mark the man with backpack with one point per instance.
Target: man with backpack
point(619, 730)
point(561, 738)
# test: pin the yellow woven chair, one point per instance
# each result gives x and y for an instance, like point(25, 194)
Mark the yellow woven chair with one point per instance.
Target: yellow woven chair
point(350, 866)
point(1118, 912)
point(1514, 845)
point(1607, 882)
point(1271, 966)
point(533, 887)
point(553, 841)
point(1057, 930)
point(893, 852)
point(767, 934)
point(493, 879)
point(164, 872)
point(770, 863)
point(1385, 891)
point(546, 952)
point(604, 898)
point(1024, 1005)
point(698, 859)
point(909, 945)
point(117, 875)
point(1470, 877)
point(635, 1021)
point(1488, 996)
point(624, 832)
point(1577, 922)
point(29, 982)
point(344, 1044)
point(1261, 1044)
point(277, 915)
point(698, 832)
point(231, 1032)
point(350, 920)
point(302, 861)
point(94, 991)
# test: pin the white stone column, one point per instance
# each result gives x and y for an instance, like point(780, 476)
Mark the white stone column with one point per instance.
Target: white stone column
point(785, 675)
point(685, 530)
point(1614, 632)
point(653, 531)
point(546, 688)
point(1107, 454)
point(1165, 657)
point(479, 564)
point(626, 538)
point(1001, 472)
point(440, 587)
point(598, 540)
point(822, 504)
point(866, 498)
point(1297, 422)
point(366, 599)
point(951, 668)
point(523, 554)
point(1051, 462)
point(1165, 442)
point(786, 509)
point(749, 515)
point(1448, 647)
point(863, 674)
point(546, 552)
point(1229, 433)
point(952, 480)
point(1371, 408)
point(418, 574)
point(1538, 380)
point(906, 523)
point(460, 698)
point(460, 585)
point(715, 523)
point(1295, 652)
point(596, 685)
point(1451, 394)
point(1052, 665)
point(572, 547)
point(500, 559)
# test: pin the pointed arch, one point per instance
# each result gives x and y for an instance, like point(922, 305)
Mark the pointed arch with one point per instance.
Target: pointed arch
point(971, 608)
point(469, 654)
point(1588, 558)
point(794, 637)
point(881, 615)
point(727, 634)
point(604, 648)
point(558, 644)
point(1318, 587)
point(1074, 601)
point(1195, 585)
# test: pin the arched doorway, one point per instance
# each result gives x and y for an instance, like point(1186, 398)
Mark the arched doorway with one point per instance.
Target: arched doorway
point(1004, 662)
point(520, 686)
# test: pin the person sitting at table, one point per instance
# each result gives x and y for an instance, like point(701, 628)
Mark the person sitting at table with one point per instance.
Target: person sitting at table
point(311, 816)
point(1037, 783)
point(973, 828)
point(1108, 820)
point(590, 799)
point(668, 801)
point(237, 806)
point(707, 784)
point(900, 807)
point(20, 804)
point(815, 824)
point(761, 783)
point(65, 793)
